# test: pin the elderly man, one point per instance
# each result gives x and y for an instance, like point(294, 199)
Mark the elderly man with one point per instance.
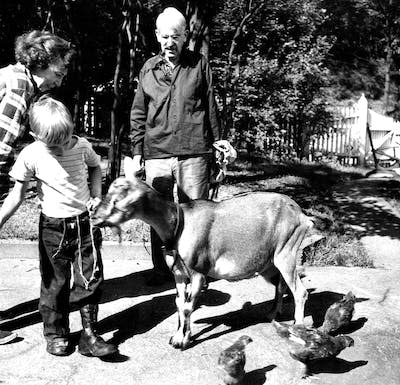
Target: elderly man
point(174, 122)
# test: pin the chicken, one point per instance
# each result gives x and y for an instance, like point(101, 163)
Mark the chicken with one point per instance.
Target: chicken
point(307, 344)
point(231, 361)
point(339, 314)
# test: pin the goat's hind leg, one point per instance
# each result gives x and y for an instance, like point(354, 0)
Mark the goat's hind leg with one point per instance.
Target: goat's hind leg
point(293, 282)
point(285, 261)
point(273, 276)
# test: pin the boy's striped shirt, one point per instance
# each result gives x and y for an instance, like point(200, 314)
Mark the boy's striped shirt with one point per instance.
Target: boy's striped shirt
point(62, 181)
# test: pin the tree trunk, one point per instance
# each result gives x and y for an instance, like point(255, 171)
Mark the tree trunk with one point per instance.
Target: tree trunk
point(388, 66)
point(198, 14)
point(120, 107)
point(133, 40)
point(77, 107)
point(112, 152)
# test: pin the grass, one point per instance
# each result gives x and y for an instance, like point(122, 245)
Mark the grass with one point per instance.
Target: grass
point(309, 184)
point(338, 250)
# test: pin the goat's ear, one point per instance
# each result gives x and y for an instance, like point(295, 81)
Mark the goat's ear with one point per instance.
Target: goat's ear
point(128, 167)
point(131, 168)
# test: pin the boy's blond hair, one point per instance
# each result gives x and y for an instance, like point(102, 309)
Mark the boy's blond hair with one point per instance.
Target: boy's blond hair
point(50, 121)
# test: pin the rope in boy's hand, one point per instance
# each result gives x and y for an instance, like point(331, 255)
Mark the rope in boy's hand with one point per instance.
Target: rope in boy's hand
point(92, 204)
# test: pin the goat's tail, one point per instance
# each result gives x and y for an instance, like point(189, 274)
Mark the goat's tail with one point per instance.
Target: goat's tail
point(320, 221)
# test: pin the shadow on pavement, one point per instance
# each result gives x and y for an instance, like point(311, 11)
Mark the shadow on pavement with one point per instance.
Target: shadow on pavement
point(20, 309)
point(334, 365)
point(257, 376)
point(136, 319)
point(116, 358)
point(250, 314)
point(21, 322)
point(360, 205)
point(318, 303)
point(129, 286)
point(143, 316)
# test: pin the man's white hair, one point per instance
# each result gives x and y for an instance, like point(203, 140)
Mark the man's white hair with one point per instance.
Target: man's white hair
point(172, 17)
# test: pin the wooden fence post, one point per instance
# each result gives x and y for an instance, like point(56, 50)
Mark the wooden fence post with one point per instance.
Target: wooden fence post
point(360, 129)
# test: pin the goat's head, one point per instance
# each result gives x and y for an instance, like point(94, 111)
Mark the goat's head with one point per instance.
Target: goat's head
point(122, 202)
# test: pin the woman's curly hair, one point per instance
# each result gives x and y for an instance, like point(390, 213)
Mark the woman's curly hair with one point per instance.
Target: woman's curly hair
point(37, 49)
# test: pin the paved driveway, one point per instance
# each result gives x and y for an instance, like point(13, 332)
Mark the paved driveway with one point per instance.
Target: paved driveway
point(141, 319)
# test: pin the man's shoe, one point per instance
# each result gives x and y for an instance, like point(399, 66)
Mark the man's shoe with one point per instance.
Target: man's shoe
point(158, 279)
point(59, 347)
point(6, 336)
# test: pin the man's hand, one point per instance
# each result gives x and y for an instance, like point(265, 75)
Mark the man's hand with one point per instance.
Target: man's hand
point(225, 148)
point(133, 166)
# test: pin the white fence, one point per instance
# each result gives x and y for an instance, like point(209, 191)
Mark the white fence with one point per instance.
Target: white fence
point(349, 139)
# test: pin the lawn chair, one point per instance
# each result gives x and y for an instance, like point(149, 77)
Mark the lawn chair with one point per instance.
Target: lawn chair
point(386, 152)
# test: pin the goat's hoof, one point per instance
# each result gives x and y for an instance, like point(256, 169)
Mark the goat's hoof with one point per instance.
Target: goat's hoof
point(175, 342)
point(186, 342)
point(180, 342)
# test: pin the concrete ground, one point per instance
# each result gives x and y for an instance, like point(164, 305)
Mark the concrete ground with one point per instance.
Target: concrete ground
point(141, 319)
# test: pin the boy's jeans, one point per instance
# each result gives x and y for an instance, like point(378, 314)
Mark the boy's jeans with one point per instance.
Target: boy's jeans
point(191, 175)
point(66, 242)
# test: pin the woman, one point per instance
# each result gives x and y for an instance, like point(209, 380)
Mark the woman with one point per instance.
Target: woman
point(42, 63)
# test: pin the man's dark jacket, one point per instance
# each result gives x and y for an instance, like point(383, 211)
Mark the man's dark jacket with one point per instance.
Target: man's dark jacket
point(174, 116)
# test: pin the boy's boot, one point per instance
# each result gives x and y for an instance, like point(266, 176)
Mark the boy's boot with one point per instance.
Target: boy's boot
point(90, 344)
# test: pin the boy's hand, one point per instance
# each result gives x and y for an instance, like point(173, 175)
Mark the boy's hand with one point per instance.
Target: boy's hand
point(92, 204)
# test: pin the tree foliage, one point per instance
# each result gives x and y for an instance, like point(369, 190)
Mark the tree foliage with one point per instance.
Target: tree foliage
point(365, 56)
point(279, 77)
point(277, 64)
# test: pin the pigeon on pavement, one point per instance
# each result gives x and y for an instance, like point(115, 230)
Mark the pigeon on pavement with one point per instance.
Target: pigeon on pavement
point(339, 314)
point(307, 344)
point(231, 361)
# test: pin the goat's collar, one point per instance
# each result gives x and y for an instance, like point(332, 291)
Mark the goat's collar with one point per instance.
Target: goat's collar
point(170, 243)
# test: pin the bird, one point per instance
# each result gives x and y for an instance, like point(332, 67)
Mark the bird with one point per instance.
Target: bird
point(232, 360)
point(308, 344)
point(339, 314)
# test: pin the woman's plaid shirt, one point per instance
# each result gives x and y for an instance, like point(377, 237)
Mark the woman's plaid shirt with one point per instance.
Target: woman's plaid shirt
point(16, 92)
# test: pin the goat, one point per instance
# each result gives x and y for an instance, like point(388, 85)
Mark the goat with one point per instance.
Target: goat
point(259, 232)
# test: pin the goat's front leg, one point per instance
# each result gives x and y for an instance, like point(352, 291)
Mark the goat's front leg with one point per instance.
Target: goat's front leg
point(181, 294)
point(185, 303)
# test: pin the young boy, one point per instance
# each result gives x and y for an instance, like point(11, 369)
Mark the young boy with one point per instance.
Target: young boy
point(57, 160)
